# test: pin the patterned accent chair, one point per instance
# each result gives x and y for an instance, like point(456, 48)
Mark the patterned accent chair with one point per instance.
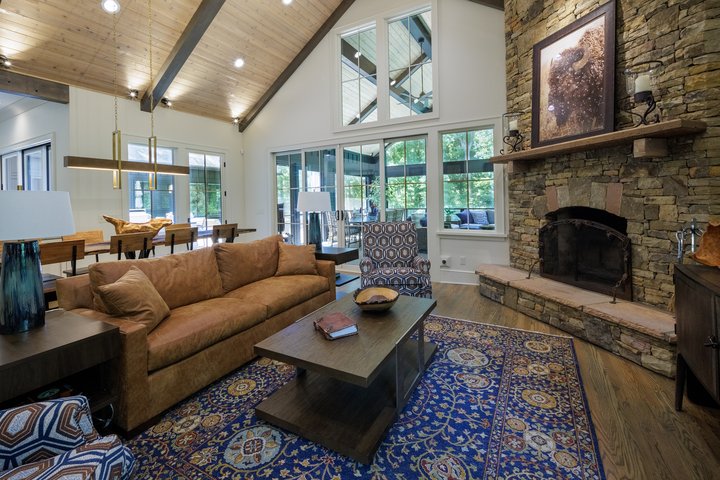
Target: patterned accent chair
point(390, 258)
point(56, 439)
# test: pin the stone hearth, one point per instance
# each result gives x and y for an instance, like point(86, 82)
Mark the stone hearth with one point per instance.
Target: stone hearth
point(641, 333)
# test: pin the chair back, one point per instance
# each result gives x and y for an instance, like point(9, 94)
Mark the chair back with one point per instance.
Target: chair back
point(390, 244)
point(174, 226)
point(64, 251)
point(132, 242)
point(226, 231)
point(178, 236)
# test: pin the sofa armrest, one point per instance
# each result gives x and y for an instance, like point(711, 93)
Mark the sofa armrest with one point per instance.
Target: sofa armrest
point(56, 426)
point(326, 268)
point(74, 292)
point(131, 368)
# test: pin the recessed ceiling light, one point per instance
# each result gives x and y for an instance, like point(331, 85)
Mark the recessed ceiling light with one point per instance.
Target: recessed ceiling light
point(239, 62)
point(287, 2)
point(5, 62)
point(110, 6)
point(236, 120)
point(133, 93)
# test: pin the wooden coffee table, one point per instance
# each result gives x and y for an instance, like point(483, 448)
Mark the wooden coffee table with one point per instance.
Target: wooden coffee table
point(348, 391)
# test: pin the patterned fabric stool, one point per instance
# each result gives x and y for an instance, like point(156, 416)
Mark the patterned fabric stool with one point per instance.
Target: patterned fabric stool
point(390, 258)
point(56, 439)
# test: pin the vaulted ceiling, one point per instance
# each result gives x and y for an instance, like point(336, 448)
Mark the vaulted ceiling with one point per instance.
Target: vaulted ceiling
point(72, 42)
point(194, 46)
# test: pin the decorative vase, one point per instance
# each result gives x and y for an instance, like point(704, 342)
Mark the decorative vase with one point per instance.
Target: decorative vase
point(22, 303)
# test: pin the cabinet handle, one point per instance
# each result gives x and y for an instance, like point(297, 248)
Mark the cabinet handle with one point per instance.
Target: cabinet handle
point(712, 342)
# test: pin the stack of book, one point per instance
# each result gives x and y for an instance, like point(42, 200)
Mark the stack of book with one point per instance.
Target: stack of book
point(336, 325)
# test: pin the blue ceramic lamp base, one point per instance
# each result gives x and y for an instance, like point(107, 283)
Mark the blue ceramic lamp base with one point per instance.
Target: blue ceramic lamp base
point(22, 303)
point(314, 233)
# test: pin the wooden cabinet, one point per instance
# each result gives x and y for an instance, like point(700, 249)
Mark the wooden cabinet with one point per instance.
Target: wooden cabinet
point(697, 307)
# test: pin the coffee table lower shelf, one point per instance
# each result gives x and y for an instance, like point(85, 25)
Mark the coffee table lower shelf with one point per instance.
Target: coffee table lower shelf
point(347, 418)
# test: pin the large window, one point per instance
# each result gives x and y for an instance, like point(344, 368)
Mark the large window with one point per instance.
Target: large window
point(407, 67)
point(144, 203)
point(205, 190)
point(468, 180)
point(358, 64)
point(27, 169)
point(410, 65)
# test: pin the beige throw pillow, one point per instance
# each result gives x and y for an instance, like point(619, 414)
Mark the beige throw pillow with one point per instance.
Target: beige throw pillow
point(133, 295)
point(296, 260)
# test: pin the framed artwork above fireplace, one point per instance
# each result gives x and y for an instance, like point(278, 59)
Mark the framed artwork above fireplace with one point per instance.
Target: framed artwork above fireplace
point(573, 80)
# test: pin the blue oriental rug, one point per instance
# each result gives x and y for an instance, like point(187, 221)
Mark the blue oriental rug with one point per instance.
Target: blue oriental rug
point(495, 403)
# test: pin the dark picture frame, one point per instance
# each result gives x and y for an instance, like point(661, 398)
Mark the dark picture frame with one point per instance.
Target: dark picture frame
point(573, 87)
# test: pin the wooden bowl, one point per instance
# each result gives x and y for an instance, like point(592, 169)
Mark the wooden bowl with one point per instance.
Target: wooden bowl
point(375, 298)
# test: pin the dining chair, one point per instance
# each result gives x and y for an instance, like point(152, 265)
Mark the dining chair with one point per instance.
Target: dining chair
point(63, 251)
point(180, 235)
point(129, 243)
point(227, 231)
point(59, 252)
point(90, 236)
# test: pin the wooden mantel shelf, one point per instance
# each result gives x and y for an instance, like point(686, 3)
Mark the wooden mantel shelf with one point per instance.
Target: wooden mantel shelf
point(671, 128)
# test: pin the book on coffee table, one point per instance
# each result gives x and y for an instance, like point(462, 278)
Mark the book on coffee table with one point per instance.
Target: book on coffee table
point(336, 325)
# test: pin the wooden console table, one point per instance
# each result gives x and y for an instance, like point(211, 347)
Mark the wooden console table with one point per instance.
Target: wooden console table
point(697, 307)
point(69, 349)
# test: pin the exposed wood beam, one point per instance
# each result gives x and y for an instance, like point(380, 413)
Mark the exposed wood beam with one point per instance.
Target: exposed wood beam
point(499, 4)
point(20, 84)
point(190, 37)
point(297, 61)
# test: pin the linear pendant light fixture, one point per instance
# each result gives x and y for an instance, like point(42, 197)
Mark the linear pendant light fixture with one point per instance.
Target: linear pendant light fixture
point(116, 135)
point(152, 139)
point(89, 163)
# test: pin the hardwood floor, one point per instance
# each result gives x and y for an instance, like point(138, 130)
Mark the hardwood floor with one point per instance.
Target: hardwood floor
point(640, 434)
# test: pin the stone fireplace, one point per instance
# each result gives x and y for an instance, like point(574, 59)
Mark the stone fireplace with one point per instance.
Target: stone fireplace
point(656, 195)
point(588, 248)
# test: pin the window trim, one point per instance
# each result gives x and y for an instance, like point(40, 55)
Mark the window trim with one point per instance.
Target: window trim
point(48, 141)
point(381, 23)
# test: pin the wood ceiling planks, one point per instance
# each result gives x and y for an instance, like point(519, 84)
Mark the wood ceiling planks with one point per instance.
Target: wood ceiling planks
point(71, 41)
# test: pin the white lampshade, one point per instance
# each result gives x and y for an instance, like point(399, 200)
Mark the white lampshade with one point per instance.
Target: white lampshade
point(314, 202)
point(26, 215)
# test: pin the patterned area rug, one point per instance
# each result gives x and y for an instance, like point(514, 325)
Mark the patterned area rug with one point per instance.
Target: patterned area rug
point(495, 403)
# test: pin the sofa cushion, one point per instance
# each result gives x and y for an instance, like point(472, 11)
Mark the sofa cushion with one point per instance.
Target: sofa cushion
point(464, 216)
point(243, 263)
point(281, 293)
point(296, 260)
point(192, 328)
point(479, 217)
point(180, 279)
point(134, 296)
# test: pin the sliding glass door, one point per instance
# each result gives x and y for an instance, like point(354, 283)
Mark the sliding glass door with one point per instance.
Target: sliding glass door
point(361, 188)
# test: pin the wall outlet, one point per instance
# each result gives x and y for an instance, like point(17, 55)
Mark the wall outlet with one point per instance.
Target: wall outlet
point(463, 260)
point(444, 261)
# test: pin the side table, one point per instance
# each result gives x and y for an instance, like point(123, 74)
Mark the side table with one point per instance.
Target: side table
point(70, 349)
point(339, 255)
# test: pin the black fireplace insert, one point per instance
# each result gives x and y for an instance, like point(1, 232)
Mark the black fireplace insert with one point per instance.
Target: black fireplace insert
point(588, 248)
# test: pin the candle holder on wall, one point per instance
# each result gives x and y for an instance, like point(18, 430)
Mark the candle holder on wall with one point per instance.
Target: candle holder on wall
point(511, 133)
point(641, 79)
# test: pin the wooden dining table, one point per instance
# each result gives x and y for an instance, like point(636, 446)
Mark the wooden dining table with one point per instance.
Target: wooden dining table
point(97, 248)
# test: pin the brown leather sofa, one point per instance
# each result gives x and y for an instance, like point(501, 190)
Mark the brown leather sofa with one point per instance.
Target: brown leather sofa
point(222, 301)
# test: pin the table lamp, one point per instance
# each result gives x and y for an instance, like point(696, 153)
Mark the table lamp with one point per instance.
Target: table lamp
point(26, 216)
point(313, 203)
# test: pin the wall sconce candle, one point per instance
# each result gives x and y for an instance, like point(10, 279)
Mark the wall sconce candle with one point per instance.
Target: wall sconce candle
point(511, 133)
point(640, 80)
